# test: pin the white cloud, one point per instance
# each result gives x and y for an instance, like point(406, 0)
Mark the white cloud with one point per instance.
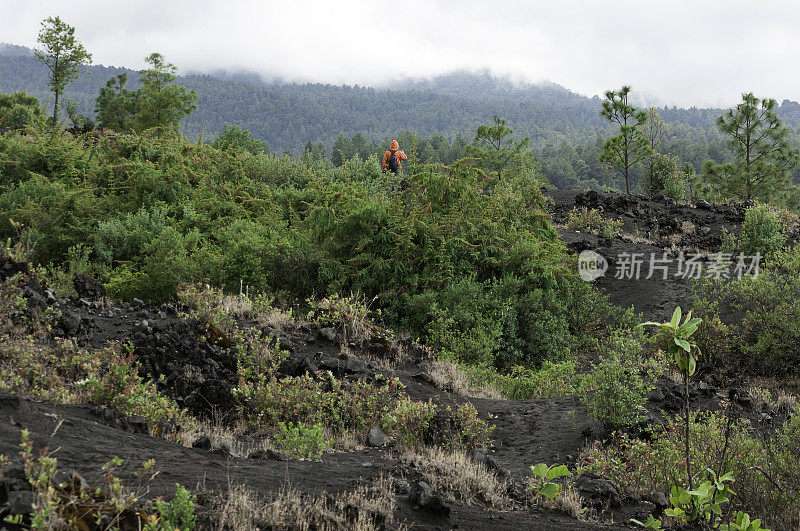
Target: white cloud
point(700, 52)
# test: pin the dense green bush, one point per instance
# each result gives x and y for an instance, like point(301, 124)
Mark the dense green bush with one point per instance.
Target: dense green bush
point(615, 389)
point(663, 176)
point(481, 274)
point(762, 233)
point(19, 110)
point(753, 324)
point(234, 138)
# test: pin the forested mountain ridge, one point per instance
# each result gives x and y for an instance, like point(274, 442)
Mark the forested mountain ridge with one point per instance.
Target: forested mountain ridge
point(565, 128)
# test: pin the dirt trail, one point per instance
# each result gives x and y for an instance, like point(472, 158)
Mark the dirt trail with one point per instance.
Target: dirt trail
point(650, 228)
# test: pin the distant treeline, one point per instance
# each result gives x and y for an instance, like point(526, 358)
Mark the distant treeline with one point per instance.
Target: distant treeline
point(565, 128)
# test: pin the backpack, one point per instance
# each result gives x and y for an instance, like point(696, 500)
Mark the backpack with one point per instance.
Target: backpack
point(393, 163)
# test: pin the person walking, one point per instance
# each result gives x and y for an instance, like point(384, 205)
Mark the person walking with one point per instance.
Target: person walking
point(392, 159)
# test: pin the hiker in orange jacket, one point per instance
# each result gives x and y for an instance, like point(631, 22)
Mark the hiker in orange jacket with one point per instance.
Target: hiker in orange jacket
point(392, 158)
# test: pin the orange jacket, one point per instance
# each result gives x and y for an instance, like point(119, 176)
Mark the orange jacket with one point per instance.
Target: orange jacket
point(399, 155)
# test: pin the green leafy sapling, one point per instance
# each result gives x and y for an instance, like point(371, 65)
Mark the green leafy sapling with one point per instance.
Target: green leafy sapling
point(684, 353)
point(178, 514)
point(701, 505)
point(543, 484)
point(743, 523)
point(651, 522)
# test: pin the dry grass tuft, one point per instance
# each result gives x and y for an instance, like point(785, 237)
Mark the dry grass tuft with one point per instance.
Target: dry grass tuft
point(277, 319)
point(459, 477)
point(365, 508)
point(220, 433)
point(448, 375)
point(568, 501)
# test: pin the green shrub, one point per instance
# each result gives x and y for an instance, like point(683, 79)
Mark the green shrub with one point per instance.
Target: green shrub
point(110, 377)
point(762, 232)
point(178, 514)
point(717, 442)
point(122, 388)
point(482, 275)
point(543, 476)
point(752, 324)
point(409, 421)
point(302, 441)
point(19, 110)
point(340, 406)
point(592, 220)
point(663, 176)
point(615, 388)
point(552, 380)
point(469, 430)
point(234, 138)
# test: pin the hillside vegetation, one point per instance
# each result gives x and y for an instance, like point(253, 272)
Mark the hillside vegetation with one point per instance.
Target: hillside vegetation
point(361, 349)
point(565, 129)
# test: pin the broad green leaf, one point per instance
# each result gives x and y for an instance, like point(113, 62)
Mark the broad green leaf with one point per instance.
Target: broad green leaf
point(683, 344)
point(558, 472)
point(539, 470)
point(676, 318)
point(550, 490)
point(692, 364)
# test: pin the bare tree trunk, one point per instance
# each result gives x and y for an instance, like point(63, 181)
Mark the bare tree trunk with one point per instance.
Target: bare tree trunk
point(55, 112)
point(686, 442)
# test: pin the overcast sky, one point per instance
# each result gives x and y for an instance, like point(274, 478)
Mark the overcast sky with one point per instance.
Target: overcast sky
point(682, 52)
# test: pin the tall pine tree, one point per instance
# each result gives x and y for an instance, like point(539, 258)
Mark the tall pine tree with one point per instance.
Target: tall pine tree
point(61, 52)
point(630, 147)
point(763, 154)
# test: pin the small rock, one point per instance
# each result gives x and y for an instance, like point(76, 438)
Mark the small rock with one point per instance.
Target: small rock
point(287, 344)
point(70, 323)
point(14, 478)
point(73, 479)
point(376, 438)
point(479, 457)
point(21, 502)
point(703, 205)
point(656, 395)
point(423, 377)
point(137, 303)
point(202, 443)
point(88, 287)
point(660, 500)
point(137, 423)
point(328, 333)
point(228, 451)
point(423, 496)
point(400, 486)
point(597, 491)
point(355, 365)
point(267, 454)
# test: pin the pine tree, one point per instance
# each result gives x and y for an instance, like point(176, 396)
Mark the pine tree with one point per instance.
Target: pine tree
point(497, 152)
point(630, 146)
point(116, 106)
point(159, 102)
point(763, 154)
point(61, 52)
